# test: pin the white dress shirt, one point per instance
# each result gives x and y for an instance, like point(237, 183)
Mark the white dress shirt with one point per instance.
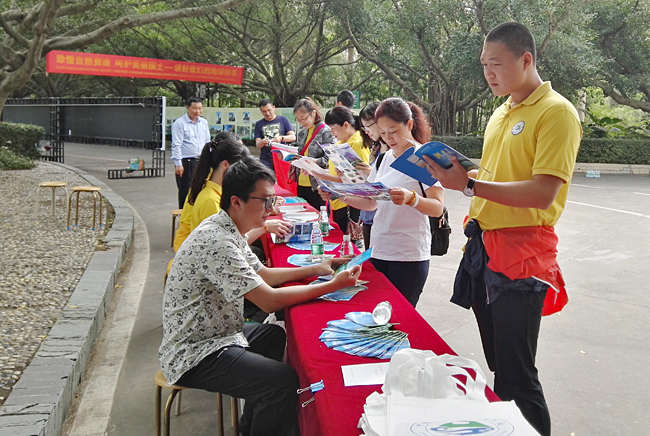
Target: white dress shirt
point(188, 138)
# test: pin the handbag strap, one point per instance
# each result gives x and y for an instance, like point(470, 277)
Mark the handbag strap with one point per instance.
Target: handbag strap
point(444, 208)
point(316, 130)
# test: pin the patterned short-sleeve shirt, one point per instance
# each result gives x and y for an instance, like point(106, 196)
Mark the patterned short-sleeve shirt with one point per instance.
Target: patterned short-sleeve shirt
point(203, 305)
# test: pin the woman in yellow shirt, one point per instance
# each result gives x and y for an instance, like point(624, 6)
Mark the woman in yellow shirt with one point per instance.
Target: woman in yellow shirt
point(314, 131)
point(345, 127)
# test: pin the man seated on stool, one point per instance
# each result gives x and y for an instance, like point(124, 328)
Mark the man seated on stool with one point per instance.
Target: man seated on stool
point(206, 344)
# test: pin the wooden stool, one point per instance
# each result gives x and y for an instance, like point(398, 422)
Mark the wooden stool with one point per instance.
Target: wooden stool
point(53, 186)
point(176, 213)
point(96, 196)
point(161, 382)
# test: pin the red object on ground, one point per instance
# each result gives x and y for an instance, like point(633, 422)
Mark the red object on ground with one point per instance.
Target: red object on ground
point(336, 409)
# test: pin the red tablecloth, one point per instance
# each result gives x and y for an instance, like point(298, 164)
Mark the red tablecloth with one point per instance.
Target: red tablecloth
point(282, 174)
point(337, 409)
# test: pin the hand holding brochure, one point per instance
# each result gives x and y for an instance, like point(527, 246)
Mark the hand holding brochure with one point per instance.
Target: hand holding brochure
point(412, 164)
point(375, 191)
point(308, 164)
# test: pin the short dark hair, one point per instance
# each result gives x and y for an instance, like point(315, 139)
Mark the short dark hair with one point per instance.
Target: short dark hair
point(516, 37)
point(240, 180)
point(339, 115)
point(346, 98)
point(191, 100)
point(227, 135)
point(264, 102)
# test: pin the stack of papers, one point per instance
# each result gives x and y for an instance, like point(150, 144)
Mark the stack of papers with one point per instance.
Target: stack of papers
point(289, 200)
point(359, 335)
point(344, 294)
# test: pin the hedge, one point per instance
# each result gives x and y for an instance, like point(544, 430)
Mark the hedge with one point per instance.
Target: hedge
point(12, 161)
point(22, 139)
point(592, 150)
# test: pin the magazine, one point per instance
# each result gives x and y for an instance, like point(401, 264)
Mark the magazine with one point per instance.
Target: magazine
point(375, 191)
point(308, 164)
point(343, 157)
point(412, 164)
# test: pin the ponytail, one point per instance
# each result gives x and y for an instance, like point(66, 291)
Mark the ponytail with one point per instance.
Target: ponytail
point(212, 155)
point(401, 111)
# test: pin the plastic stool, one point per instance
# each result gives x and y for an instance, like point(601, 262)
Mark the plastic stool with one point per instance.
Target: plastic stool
point(53, 186)
point(176, 213)
point(96, 196)
point(161, 382)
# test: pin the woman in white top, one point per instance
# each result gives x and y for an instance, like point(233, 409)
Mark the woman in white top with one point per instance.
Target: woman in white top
point(400, 235)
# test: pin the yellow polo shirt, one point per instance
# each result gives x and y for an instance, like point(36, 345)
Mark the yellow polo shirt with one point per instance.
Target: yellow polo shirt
point(540, 135)
point(184, 226)
point(207, 203)
point(356, 142)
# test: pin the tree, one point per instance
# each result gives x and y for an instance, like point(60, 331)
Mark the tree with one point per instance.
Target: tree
point(620, 31)
point(431, 48)
point(33, 29)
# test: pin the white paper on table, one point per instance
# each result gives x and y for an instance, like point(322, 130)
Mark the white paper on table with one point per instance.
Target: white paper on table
point(364, 374)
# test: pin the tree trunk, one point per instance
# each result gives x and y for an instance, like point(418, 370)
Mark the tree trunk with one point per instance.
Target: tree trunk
point(442, 113)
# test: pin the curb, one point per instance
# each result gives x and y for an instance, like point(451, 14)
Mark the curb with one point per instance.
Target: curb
point(39, 402)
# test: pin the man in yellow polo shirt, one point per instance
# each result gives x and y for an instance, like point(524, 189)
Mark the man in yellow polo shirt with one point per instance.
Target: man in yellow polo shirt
point(509, 273)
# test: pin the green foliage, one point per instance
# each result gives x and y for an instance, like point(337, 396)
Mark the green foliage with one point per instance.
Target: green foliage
point(21, 138)
point(606, 119)
point(592, 150)
point(618, 151)
point(12, 161)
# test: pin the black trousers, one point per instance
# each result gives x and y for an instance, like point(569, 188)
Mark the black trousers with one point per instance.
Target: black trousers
point(408, 277)
point(509, 330)
point(257, 375)
point(366, 235)
point(311, 197)
point(183, 183)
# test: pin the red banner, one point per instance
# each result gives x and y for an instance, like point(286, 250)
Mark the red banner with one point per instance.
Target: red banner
point(70, 62)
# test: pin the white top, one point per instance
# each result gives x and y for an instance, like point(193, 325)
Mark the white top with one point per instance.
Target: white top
point(399, 233)
point(188, 138)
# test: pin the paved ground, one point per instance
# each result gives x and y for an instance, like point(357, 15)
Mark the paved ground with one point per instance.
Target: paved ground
point(593, 357)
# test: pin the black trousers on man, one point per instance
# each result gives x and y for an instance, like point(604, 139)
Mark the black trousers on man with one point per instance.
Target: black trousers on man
point(509, 328)
point(257, 375)
point(183, 182)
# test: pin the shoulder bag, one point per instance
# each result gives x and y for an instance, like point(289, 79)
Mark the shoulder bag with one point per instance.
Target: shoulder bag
point(294, 171)
point(440, 230)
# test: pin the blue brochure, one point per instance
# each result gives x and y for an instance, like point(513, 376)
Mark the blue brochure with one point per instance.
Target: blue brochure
point(412, 164)
point(357, 260)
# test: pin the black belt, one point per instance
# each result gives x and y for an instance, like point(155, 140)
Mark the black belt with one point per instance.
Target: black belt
point(193, 159)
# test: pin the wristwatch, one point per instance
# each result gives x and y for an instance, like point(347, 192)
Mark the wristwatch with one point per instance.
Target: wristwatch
point(469, 189)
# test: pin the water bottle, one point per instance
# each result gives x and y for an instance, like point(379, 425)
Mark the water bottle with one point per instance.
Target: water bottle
point(347, 249)
point(316, 243)
point(323, 221)
point(382, 313)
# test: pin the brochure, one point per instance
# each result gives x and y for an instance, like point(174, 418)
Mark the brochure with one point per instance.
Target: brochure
point(284, 147)
point(308, 164)
point(375, 191)
point(356, 260)
point(343, 157)
point(412, 164)
point(286, 155)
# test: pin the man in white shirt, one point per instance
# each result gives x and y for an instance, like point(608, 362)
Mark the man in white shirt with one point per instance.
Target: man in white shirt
point(189, 134)
point(206, 344)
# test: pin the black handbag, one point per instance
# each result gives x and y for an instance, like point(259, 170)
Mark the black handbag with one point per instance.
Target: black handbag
point(440, 230)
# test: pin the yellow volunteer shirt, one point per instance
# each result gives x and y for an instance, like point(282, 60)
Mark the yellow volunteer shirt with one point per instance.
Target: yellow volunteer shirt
point(356, 142)
point(541, 135)
point(303, 179)
point(207, 203)
point(184, 226)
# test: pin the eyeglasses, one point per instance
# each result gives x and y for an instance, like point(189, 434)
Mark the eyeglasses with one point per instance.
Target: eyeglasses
point(302, 120)
point(268, 201)
point(367, 128)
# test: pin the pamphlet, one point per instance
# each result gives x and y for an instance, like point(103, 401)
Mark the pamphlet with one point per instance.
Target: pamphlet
point(357, 260)
point(284, 147)
point(365, 374)
point(308, 164)
point(375, 191)
point(343, 157)
point(286, 155)
point(412, 164)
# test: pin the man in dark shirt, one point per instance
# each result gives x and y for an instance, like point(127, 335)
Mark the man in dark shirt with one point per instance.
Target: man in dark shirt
point(273, 128)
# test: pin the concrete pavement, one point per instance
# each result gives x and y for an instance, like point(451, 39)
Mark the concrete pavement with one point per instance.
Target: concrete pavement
point(592, 356)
